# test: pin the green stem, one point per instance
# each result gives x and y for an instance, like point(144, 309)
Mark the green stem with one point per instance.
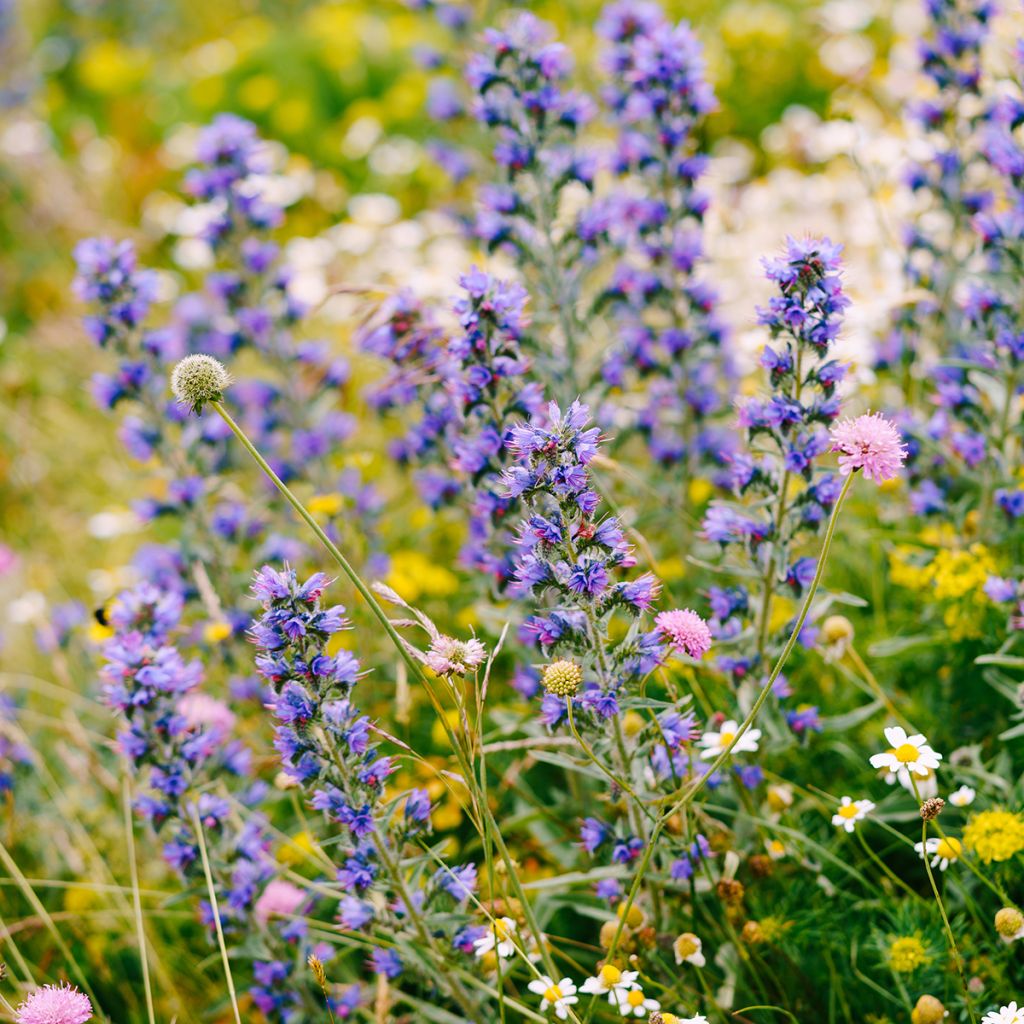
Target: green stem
point(211, 890)
point(133, 867)
point(687, 798)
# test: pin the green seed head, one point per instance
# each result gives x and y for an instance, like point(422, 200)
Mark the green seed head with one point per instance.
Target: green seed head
point(562, 678)
point(199, 379)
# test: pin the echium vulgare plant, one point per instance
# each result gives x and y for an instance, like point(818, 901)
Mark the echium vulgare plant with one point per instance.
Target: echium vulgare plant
point(964, 465)
point(671, 355)
point(325, 745)
point(244, 303)
point(940, 241)
point(569, 558)
point(783, 496)
point(520, 78)
point(471, 387)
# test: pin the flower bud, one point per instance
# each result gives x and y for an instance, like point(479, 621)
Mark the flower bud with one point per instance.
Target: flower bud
point(199, 379)
point(562, 678)
point(927, 1011)
point(932, 808)
point(1009, 923)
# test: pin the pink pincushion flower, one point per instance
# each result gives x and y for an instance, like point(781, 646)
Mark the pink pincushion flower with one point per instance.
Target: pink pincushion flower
point(279, 898)
point(685, 630)
point(203, 711)
point(55, 1004)
point(448, 656)
point(871, 443)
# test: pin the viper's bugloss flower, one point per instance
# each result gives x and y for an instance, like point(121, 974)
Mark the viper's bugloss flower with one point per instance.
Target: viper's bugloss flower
point(870, 443)
point(54, 1004)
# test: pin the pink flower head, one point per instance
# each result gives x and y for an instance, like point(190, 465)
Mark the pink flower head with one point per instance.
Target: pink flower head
point(202, 711)
point(870, 442)
point(685, 630)
point(55, 1004)
point(448, 656)
point(279, 898)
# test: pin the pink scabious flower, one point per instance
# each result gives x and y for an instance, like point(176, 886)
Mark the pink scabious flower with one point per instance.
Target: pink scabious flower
point(448, 656)
point(55, 1004)
point(280, 898)
point(685, 630)
point(871, 443)
point(201, 711)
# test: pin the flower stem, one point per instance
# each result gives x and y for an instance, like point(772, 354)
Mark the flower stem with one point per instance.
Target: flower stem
point(216, 913)
point(687, 798)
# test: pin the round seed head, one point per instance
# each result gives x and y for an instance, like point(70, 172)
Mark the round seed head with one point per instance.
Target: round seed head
point(199, 379)
point(1009, 921)
point(562, 678)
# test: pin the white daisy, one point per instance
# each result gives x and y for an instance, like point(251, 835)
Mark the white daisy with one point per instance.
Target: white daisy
point(560, 997)
point(633, 1003)
point(610, 980)
point(715, 742)
point(687, 949)
point(498, 937)
point(942, 851)
point(911, 753)
point(671, 1018)
point(962, 797)
point(1005, 1015)
point(775, 848)
point(927, 785)
point(850, 812)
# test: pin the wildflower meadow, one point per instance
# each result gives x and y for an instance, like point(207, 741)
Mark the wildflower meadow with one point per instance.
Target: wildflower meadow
point(512, 511)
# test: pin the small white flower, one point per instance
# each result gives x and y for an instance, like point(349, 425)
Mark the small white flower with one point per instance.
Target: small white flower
point(560, 996)
point(687, 949)
point(499, 938)
point(1005, 1015)
point(775, 848)
point(716, 742)
point(672, 1018)
point(610, 980)
point(850, 812)
point(910, 753)
point(633, 1003)
point(962, 797)
point(942, 851)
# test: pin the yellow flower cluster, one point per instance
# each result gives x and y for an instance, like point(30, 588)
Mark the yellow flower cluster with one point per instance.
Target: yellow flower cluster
point(907, 953)
point(994, 835)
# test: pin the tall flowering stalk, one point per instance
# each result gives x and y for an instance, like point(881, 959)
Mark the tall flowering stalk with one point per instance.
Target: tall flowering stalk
point(785, 495)
point(940, 242)
point(671, 353)
point(471, 388)
point(520, 77)
point(324, 742)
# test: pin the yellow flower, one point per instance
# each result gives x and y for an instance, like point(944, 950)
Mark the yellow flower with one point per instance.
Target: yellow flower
point(215, 632)
point(994, 835)
point(414, 575)
point(79, 899)
point(325, 504)
point(956, 574)
point(296, 850)
point(908, 953)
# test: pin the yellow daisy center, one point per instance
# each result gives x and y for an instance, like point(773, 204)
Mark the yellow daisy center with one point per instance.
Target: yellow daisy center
point(500, 930)
point(906, 753)
point(848, 811)
point(948, 848)
point(552, 993)
point(670, 1018)
point(635, 998)
point(686, 945)
point(610, 974)
point(725, 738)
